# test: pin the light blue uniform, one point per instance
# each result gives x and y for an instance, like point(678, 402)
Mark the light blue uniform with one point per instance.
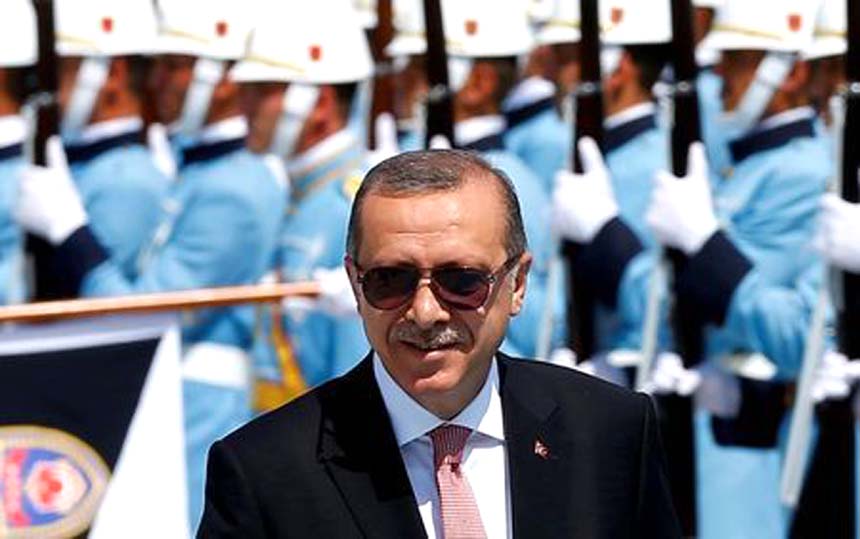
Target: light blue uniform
point(314, 236)
point(122, 191)
point(524, 330)
point(709, 86)
point(757, 280)
point(635, 150)
point(538, 136)
point(11, 238)
point(219, 228)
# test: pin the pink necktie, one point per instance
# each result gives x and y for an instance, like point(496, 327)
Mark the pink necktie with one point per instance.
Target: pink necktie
point(460, 516)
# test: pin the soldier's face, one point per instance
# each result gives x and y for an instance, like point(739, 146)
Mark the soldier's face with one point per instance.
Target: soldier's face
point(435, 352)
point(411, 88)
point(68, 72)
point(737, 69)
point(261, 103)
point(566, 57)
point(828, 75)
point(169, 79)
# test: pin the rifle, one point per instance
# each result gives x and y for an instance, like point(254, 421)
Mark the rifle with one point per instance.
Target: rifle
point(676, 414)
point(440, 110)
point(43, 102)
point(827, 504)
point(383, 78)
point(587, 122)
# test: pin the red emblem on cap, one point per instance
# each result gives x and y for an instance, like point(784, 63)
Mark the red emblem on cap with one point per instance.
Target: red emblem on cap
point(471, 27)
point(107, 25)
point(221, 28)
point(795, 21)
point(616, 15)
point(315, 52)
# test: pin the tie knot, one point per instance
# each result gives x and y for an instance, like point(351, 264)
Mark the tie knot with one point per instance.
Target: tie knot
point(448, 444)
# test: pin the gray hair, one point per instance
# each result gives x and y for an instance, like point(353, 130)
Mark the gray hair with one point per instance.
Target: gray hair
point(428, 171)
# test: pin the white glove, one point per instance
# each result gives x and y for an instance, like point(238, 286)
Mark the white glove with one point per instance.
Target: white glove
point(839, 235)
point(681, 213)
point(563, 357)
point(719, 392)
point(599, 367)
point(336, 297)
point(49, 205)
point(834, 377)
point(583, 203)
point(669, 377)
point(159, 148)
point(440, 142)
point(385, 130)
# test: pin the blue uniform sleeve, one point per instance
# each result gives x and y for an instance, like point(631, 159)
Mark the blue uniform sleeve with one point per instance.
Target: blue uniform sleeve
point(205, 249)
point(774, 320)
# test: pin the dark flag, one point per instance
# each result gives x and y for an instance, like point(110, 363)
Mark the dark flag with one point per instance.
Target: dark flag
point(91, 430)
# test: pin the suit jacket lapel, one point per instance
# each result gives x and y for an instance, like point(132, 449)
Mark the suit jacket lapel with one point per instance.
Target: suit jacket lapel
point(361, 454)
point(544, 460)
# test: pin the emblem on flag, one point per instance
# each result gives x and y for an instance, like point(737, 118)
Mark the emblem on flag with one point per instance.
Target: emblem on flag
point(51, 483)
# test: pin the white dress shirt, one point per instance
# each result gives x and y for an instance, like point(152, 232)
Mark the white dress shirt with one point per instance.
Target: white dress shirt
point(484, 459)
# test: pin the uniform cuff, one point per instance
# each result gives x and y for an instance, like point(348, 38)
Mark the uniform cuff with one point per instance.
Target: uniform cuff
point(603, 261)
point(710, 277)
point(78, 255)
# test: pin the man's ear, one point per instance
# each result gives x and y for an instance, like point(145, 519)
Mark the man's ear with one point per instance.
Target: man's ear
point(352, 272)
point(518, 290)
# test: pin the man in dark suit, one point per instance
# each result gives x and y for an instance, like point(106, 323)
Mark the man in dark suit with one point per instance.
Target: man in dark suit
point(436, 433)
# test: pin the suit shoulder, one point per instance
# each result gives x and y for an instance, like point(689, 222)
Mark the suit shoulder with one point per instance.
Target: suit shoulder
point(580, 389)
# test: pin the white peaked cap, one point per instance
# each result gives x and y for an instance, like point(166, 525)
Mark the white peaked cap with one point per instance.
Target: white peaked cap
point(320, 42)
point(216, 29)
point(767, 25)
point(635, 22)
point(713, 4)
point(540, 11)
point(829, 38)
point(486, 28)
point(409, 37)
point(367, 15)
point(563, 25)
point(18, 41)
point(104, 27)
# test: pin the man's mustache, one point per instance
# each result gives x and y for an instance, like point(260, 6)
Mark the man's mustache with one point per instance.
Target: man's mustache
point(435, 337)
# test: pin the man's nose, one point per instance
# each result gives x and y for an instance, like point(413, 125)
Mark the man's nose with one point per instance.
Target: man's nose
point(426, 310)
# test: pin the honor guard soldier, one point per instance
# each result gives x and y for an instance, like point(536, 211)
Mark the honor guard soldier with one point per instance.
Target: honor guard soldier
point(483, 42)
point(535, 131)
point(298, 81)
point(218, 226)
point(751, 271)
point(604, 208)
point(17, 53)
point(101, 72)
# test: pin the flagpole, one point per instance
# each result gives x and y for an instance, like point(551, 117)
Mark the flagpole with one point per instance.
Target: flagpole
point(164, 301)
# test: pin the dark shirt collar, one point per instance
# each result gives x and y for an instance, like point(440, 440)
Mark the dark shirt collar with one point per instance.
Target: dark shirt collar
point(81, 153)
point(214, 150)
point(523, 114)
point(11, 151)
point(771, 138)
point(486, 144)
point(619, 135)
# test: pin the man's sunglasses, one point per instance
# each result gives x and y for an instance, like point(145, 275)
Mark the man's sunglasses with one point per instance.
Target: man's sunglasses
point(391, 287)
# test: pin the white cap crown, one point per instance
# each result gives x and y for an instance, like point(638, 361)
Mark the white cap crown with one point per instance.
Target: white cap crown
point(768, 25)
point(829, 38)
point(319, 42)
point(635, 22)
point(104, 27)
point(486, 28)
point(563, 25)
point(18, 41)
point(215, 29)
point(409, 35)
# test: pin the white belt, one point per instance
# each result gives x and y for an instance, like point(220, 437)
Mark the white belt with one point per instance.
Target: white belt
point(217, 364)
